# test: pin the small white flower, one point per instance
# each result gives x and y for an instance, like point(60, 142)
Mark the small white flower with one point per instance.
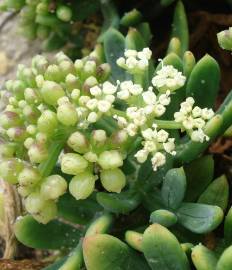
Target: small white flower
point(95, 91)
point(104, 106)
point(92, 104)
point(124, 95)
point(149, 97)
point(207, 113)
point(188, 123)
point(131, 129)
point(92, 117)
point(148, 109)
point(148, 134)
point(131, 112)
point(190, 100)
point(83, 100)
point(75, 94)
point(169, 146)
point(131, 63)
point(162, 136)
point(158, 160)
point(122, 122)
point(108, 88)
point(136, 89)
point(121, 62)
point(159, 110)
point(165, 99)
point(199, 136)
point(141, 156)
point(110, 98)
point(142, 64)
point(199, 123)
point(130, 53)
point(179, 117)
point(91, 157)
point(150, 146)
point(196, 112)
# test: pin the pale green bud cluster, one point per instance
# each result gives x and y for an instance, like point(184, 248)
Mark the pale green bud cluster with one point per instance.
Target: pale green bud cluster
point(225, 39)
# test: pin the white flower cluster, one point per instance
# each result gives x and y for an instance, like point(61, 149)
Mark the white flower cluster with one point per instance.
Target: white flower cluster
point(151, 106)
point(154, 142)
point(129, 89)
point(134, 61)
point(193, 119)
point(168, 78)
point(91, 108)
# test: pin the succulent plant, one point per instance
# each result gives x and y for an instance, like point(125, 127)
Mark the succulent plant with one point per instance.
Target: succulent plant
point(98, 145)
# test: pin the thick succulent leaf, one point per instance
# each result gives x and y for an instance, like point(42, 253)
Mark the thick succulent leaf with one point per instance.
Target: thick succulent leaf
point(80, 212)
point(153, 200)
point(180, 27)
point(189, 62)
point(131, 18)
point(199, 218)
point(184, 235)
point(203, 258)
point(228, 227)
point(104, 252)
point(162, 250)
point(114, 45)
point(163, 217)
point(101, 224)
point(123, 202)
point(134, 40)
point(166, 2)
point(199, 174)
point(145, 31)
point(217, 193)
point(203, 83)
point(134, 239)
point(173, 189)
point(225, 261)
point(54, 235)
point(56, 265)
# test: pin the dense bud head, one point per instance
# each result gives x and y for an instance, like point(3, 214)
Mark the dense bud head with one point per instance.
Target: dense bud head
point(37, 153)
point(51, 92)
point(47, 122)
point(53, 187)
point(110, 159)
point(53, 73)
point(82, 185)
point(28, 177)
point(78, 142)
point(73, 164)
point(64, 13)
point(10, 169)
point(99, 136)
point(225, 39)
point(113, 180)
point(67, 114)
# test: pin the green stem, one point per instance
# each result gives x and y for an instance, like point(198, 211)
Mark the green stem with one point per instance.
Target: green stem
point(118, 112)
point(214, 128)
point(139, 78)
point(166, 124)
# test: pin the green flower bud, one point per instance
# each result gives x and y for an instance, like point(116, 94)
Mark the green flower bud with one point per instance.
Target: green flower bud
point(17, 134)
point(99, 136)
point(31, 96)
point(7, 150)
point(67, 114)
point(29, 177)
point(113, 180)
point(67, 67)
point(24, 191)
point(42, 8)
point(89, 82)
point(37, 153)
point(89, 68)
point(78, 142)
point(110, 159)
point(119, 137)
point(18, 88)
point(31, 113)
point(79, 65)
point(71, 82)
point(60, 56)
point(73, 164)
point(9, 119)
point(53, 187)
point(64, 13)
point(34, 203)
point(53, 73)
point(47, 213)
point(41, 137)
point(47, 122)
point(40, 63)
point(225, 39)
point(82, 185)
point(28, 77)
point(51, 92)
point(10, 168)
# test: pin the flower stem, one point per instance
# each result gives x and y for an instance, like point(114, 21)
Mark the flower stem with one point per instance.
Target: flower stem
point(167, 124)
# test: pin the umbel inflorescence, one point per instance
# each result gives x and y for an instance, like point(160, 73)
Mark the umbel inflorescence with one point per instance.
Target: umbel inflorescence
point(72, 115)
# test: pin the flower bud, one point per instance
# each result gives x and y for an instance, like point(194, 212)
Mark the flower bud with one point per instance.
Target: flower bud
point(78, 142)
point(42, 32)
point(89, 69)
point(53, 73)
point(60, 56)
point(9, 119)
point(40, 63)
point(225, 39)
point(47, 213)
point(29, 177)
point(42, 8)
point(10, 168)
point(18, 88)
point(51, 92)
point(17, 134)
point(64, 13)
point(82, 185)
point(79, 65)
point(110, 159)
point(73, 163)
point(71, 82)
point(34, 203)
point(31, 96)
point(31, 113)
point(66, 114)
point(37, 153)
point(89, 82)
point(99, 136)
point(47, 122)
point(7, 150)
point(24, 191)
point(113, 180)
point(53, 187)
point(103, 72)
point(119, 137)
point(67, 67)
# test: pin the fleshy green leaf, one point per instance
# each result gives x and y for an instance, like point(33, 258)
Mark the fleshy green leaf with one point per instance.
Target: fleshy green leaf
point(163, 217)
point(199, 218)
point(199, 174)
point(225, 261)
point(173, 189)
point(217, 193)
point(203, 83)
point(228, 227)
point(162, 250)
point(54, 235)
